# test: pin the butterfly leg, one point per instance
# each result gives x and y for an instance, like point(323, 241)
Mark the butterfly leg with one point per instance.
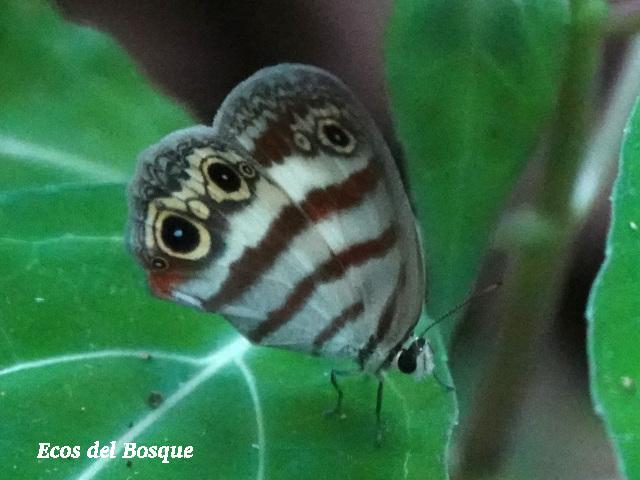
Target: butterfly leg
point(337, 410)
point(379, 411)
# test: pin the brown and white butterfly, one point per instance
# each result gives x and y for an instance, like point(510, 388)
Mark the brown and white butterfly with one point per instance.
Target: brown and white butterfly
point(287, 216)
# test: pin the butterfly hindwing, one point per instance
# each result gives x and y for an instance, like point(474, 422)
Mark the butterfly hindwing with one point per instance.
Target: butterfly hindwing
point(287, 216)
point(318, 143)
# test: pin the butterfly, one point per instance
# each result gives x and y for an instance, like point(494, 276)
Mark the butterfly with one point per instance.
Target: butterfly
point(287, 216)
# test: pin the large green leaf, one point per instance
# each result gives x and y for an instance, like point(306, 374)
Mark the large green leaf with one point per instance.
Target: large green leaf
point(614, 312)
point(82, 343)
point(471, 85)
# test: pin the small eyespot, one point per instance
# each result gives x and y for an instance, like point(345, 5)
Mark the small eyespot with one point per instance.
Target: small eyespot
point(181, 237)
point(224, 177)
point(224, 181)
point(335, 136)
point(246, 170)
point(302, 141)
point(159, 263)
point(407, 362)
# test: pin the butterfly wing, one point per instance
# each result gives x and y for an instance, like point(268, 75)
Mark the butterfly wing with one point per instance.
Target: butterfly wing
point(354, 265)
point(288, 216)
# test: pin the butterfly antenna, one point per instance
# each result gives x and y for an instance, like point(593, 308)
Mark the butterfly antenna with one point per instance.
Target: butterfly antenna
point(462, 304)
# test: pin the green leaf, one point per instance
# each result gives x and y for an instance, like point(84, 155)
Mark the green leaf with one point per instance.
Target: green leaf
point(614, 321)
point(471, 85)
point(83, 346)
point(73, 107)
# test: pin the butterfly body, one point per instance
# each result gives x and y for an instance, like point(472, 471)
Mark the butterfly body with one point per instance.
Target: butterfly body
point(288, 217)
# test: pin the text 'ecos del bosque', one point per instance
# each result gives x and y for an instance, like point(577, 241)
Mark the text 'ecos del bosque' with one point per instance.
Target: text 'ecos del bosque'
point(129, 450)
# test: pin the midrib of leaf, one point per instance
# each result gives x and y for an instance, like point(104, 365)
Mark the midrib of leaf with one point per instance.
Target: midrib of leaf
point(56, 188)
point(255, 398)
point(209, 366)
point(30, 152)
point(215, 362)
point(469, 103)
point(97, 355)
point(68, 238)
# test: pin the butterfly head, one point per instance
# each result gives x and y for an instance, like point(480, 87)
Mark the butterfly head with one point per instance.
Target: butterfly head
point(415, 359)
point(183, 187)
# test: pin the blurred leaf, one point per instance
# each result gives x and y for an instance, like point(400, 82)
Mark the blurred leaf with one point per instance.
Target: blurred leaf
point(73, 107)
point(471, 85)
point(82, 343)
point(614, 312)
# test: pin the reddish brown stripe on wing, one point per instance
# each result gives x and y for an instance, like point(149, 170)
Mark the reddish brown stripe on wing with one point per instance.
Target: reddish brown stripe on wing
point(333, 268)
point(385, 320)
point(247, 269)
point(163, 283)
point(274, 144)
point(322, 202)
point(347, 315)
point(291, 221)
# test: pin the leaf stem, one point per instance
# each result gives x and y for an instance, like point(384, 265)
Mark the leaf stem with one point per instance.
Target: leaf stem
point(624, 19)
point(537, 263)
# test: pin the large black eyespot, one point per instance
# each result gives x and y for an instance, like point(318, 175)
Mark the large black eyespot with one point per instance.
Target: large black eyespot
point(224, 177)
point(335, 136)
point(407, 362)
point(179, 234)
